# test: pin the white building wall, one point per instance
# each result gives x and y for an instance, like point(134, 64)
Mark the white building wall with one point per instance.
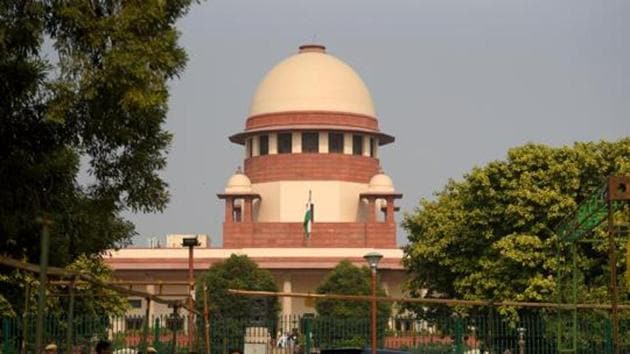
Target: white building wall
point(285, 201)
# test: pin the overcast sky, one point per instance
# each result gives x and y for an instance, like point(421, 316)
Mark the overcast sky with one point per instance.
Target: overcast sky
point(456, 82)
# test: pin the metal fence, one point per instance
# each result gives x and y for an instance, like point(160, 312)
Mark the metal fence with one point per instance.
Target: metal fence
point(488, 333)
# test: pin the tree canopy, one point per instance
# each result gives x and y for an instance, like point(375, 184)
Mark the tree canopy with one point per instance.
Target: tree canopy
point(83, 101)
point(344, 323)
point(91, 301)
point(491, 235)
point(348, 279)
point(238, 272)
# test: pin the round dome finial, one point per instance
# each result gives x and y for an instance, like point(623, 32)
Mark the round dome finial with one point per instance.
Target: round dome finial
point(312, 48)
point(381, 183)
point(239, 183)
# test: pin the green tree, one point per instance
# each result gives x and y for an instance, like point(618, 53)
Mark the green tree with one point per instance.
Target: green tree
point(92, 300)
point(84, 84)
point(491, 235)
point(93, 305)
point(238, 272)
point(232, 314)
point(347, 323)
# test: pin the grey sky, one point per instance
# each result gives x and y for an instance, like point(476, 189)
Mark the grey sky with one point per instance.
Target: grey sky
point(457, 83)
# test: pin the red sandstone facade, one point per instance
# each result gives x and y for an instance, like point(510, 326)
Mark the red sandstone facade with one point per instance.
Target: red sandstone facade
point(241, 230)
point(319, 167)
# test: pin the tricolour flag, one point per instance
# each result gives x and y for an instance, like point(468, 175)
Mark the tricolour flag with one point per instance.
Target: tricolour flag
point(309, 216)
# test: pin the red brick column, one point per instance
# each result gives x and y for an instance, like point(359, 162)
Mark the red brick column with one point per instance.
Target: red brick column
point(371, 210)
point(247, 210)
point(389, 211)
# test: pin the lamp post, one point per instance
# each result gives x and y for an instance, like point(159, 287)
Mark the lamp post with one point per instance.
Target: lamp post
point(190, 242)
point(373, 258)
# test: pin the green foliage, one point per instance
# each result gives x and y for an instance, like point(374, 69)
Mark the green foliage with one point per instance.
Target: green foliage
point(238, 272)
point(231, 314)
point(348, 279)
point(90, 301)
point(491, 235)
point(348, 322)
point(84, 83)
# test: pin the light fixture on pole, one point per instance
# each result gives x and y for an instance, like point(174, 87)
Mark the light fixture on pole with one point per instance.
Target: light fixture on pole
point(190, 242)
point(372, 259)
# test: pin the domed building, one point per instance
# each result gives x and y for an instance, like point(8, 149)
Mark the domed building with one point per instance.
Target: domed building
point(311, 137)
point(311, 192)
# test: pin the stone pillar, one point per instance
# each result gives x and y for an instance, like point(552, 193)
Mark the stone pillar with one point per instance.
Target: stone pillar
point(229, 210)
point(375, 148)
point(371, 210)
point(151, 290)
point(347, 143)
point(389, 214)
point(287, 302)
point(366, 145)
point(247, 210)
point(296, 138)
point(273, 143)
point(323, 142)
point(255, 146)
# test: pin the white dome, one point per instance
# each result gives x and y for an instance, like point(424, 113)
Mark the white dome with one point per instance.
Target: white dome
point(312, 80)
point(238, 183)
point(381, 183)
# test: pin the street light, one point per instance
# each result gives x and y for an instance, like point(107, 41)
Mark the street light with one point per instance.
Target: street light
point(372, 259)
point(190, 242)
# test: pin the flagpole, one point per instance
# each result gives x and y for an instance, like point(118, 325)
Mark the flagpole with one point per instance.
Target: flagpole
point(309, 208)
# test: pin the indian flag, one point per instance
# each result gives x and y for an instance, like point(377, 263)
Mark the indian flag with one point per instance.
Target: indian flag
point(308, 217)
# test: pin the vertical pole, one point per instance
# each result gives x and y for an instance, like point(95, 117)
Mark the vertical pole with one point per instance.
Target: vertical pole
point(608, 344)
point(308, 333)
point(175, 322)
point(373, 324)
point(521, 340)
point(191, 285)
point(5, 335)
point(69, 334)
point(459, 335)
point(206, 318)
point(43, 264)
point(574, 299)
point(25, 317)
point(145, 332)
point(612, 254)
point(156, 333)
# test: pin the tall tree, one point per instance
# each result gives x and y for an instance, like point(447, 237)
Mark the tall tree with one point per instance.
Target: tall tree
point(491, 235)
point(232, 314)
point(238, 272)
point(347, 323)
point(83, 83)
